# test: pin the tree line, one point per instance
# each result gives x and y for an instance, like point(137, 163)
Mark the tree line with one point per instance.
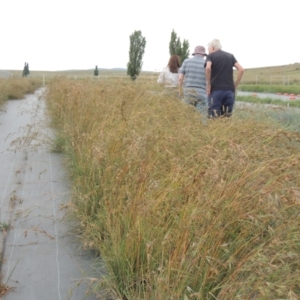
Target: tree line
point(137, 50)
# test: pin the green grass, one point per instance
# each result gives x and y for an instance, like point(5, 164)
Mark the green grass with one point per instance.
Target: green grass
point(266, 88)
point(4, 226)
point(253, 99)
point(287, 117)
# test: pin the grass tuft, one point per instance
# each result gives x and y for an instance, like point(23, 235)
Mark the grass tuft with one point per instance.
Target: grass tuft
point(17, 88)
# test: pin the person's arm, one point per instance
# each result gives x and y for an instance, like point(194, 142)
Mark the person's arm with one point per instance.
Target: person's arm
point(180, 82)
point(208, 76)
point(239, 75)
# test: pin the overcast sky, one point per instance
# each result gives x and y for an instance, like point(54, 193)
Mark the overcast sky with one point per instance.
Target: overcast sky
point(76, 34)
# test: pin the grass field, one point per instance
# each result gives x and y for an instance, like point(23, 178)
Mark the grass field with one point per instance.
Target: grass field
point(180, 210)
point(282, 75)
point(278, 75)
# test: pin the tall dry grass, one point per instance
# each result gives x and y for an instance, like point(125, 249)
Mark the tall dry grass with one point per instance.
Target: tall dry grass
point(177, 209)
point(17, 88)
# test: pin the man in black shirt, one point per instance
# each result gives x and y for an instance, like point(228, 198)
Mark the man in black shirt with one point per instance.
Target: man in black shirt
point(220, 85)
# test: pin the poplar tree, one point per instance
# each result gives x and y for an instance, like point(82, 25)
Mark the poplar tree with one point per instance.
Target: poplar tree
point(176, 48)
point(172, 44)
point(26, 70)
point(96, 71)
point(136, 52)
point(185, 52)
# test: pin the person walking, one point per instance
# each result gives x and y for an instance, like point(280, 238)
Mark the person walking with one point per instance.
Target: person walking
point(169, 75)
point(192, 79)
point(220, 84)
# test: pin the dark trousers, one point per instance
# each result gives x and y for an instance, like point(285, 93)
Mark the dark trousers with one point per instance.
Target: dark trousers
point(220, 103)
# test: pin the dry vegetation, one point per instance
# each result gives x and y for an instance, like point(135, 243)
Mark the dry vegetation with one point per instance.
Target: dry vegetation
point(177, 209)
point(17, 88)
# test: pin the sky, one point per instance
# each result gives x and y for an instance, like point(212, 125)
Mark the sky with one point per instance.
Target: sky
point(55, 35)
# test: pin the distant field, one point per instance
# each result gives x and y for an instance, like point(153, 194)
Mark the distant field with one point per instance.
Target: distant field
point(278, 75)
point(80, 73)
point(283, 75)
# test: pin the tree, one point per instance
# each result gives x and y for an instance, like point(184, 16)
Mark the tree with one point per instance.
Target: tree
point(136, 52)
point(176, 48)
point(185, 52)
point(172, 44)
point(96, 71)
point(26, 70)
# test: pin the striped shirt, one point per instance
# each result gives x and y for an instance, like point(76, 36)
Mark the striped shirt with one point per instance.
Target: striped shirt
point(194, 72)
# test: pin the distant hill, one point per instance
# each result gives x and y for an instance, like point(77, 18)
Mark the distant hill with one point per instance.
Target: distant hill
point(285, 75)
point(91, 70)
point(119, 69)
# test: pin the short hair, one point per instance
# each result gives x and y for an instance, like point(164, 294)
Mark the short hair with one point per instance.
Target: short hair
point(215, 43)
point(174, 63)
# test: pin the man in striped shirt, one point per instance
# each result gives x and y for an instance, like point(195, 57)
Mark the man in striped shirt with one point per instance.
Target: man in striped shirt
point(192, 78)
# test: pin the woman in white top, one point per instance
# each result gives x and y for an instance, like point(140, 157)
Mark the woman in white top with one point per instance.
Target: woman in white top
point(169, 75)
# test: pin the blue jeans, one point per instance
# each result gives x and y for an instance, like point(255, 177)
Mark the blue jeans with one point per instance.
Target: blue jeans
point(221, 103)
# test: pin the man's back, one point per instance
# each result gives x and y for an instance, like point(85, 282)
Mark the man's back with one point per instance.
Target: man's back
point(194, 72)
point(221, 70)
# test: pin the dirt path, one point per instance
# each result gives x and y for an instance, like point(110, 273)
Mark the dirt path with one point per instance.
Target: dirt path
point(41, 257)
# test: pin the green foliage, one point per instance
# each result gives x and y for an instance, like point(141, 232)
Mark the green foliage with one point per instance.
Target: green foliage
point(185, 50)
point(25, 70)
point(288, 117)
point(4, 226)
point(59, 144)
point(176, 48)
point(96, 71)
point(173, 43)
point(136, 52)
